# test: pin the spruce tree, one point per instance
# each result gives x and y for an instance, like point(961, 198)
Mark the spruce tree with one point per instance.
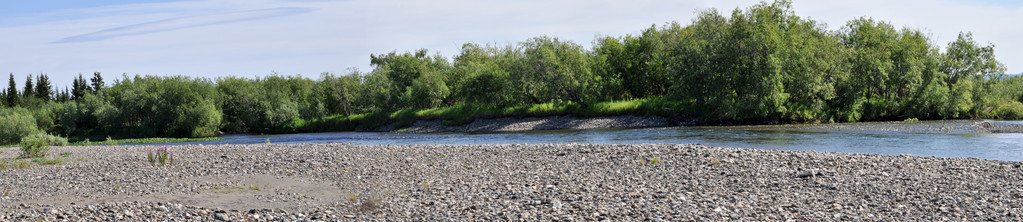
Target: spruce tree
point(29, 89)
point(80, 87)
point(12, 93)
point(43, 87)
point(97, 83)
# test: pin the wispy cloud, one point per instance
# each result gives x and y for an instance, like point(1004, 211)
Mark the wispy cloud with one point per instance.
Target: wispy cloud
point(183, 23)
point(213, 38)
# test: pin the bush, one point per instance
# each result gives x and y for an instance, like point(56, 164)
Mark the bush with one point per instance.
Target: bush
point(1009, 110)
point(36, 145)
point(17, 123)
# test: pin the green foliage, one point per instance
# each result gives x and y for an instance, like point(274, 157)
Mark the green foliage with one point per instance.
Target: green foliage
point(160, 156)
point(12, 93)
point(762, 64)
point(36, 145)
point(43, 88)
point(339, 93)
point(80, 87)
point(17, 123)
point(415, 80)
point(165, 106)
point(554, 70)
point(29, 90)
point(45, 161)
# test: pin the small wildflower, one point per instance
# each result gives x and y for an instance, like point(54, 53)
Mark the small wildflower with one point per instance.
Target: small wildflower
point(161, 156)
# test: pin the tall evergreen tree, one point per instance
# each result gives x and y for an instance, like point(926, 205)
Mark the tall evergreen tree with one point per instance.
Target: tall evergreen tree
point(97, 82)
point(12, 93)
point(63, 96)
point(29, 89)
point(79, 87)
point(43, 87)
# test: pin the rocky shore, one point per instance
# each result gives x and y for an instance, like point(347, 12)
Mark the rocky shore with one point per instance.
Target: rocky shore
point(329, 182)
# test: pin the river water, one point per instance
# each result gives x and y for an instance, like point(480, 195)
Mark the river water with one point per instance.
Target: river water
point(925, 138)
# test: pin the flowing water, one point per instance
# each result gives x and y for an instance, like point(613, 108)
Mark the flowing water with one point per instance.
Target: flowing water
point(925, 138)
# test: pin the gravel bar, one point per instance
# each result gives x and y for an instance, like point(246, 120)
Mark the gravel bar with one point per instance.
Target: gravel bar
point(573, 182)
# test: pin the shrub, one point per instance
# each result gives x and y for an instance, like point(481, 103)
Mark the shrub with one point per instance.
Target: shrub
point(17, 123)
point(36, 145)
point(1010, 110)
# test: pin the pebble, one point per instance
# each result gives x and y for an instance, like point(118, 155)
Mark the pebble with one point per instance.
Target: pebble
point(539, 182)
point(221, 217)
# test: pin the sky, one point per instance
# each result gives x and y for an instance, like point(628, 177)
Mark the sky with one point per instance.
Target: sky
point(250, 38)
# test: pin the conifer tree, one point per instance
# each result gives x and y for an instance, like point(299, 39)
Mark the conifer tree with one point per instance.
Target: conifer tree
point(97, 82)
point(29, 89)
point(43, 87)
point(12, 93)
point(79, 87)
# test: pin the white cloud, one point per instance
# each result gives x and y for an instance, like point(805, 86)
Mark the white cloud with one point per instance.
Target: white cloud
point(334, 35)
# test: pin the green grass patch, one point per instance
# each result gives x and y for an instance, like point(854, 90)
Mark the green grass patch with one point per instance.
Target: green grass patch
point(228, 189)
point(464, 114)
point(45, 161)
point(13, 164)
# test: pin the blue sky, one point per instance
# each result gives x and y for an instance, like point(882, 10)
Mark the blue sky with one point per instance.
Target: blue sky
point(250, 38)
point(19, 8)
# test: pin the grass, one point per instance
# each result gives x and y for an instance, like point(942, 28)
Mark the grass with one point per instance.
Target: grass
point(228, 189)
point(45, 161)
point(15, 164)
point(25, 163)
point(464, 114)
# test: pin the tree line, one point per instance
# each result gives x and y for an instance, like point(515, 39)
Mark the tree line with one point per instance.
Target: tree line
point(763, 64)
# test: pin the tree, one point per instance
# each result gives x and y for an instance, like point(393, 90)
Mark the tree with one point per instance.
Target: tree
point(964, 58)
point(340, 92)
point(165, 106)
point(404, 69)
point(557, 70)
point(429, 90)
point(79, 87)
point(43, 88)
point(812, 60)
point(12, 92)
point(969, 67)
point(872, 67)
point(697, 65)
point(481, 76)
point(29, 88)
point(97, 83)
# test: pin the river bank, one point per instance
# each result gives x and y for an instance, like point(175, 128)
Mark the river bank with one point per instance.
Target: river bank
point(497, 182)
point(533, 123)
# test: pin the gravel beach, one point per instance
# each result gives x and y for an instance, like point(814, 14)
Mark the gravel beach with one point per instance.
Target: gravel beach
point(328, 182)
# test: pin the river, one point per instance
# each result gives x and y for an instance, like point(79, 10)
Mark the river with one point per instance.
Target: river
point(925, 138)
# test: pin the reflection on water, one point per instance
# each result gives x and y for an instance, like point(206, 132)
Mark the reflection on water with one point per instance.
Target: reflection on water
point(853, 138)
